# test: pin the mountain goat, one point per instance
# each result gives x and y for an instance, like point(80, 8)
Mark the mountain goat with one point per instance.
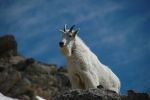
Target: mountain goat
point(84, 69)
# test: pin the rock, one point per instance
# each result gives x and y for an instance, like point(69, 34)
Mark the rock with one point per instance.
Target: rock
point(135, 96)
point(10, 78)
point(90, 94)
point(31, 78)
point(25, 78)
point(22, 87)
point(8, 46)
point(100, 94)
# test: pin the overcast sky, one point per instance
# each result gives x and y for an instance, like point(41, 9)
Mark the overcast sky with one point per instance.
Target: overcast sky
point(117, 31)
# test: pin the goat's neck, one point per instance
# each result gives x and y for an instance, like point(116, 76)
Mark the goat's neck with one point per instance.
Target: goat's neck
point(79, 47)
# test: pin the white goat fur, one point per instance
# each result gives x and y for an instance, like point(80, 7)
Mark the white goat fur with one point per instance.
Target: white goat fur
point(86, 71)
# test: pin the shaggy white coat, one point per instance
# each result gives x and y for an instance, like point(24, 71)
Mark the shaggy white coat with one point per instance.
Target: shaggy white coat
point(86, 71)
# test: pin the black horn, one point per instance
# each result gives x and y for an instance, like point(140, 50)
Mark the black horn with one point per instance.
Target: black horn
point(71, 28)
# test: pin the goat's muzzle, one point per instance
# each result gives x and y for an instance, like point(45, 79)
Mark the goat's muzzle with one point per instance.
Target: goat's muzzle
point(61, 44)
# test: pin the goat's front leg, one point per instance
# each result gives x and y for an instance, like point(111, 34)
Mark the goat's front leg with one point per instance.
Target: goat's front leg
point(74, 81)
point(89, 79)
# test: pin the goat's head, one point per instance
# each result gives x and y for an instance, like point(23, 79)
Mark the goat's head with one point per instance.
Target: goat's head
point(68, 39)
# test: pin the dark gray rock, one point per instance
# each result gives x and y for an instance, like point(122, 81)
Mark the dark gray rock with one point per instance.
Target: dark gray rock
point(90, 94)
point(100, 94)
point(131, 95)
point(8, 46)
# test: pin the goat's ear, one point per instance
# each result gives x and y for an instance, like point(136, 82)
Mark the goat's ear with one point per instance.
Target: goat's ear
point(76, 31)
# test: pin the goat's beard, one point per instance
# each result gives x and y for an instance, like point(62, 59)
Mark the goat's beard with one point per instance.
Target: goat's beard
point(66, 51)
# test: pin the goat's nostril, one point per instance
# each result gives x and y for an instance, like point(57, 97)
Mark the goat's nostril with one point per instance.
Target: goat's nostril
point(61, 44)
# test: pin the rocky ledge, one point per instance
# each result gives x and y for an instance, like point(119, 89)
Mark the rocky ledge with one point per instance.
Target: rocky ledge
point(91, 94)
point(100, 94)
point(25, 78)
